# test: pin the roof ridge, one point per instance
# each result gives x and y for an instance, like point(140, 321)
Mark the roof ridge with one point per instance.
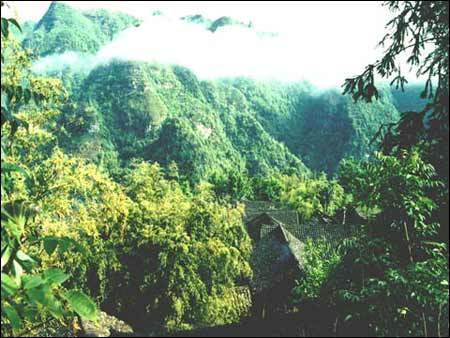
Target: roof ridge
point(291, 241)
point(264, 214)
point(278, 209)
point(276, 219)
point(284, 232)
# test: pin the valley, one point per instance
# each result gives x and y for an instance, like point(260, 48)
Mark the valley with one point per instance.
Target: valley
point(159, 193)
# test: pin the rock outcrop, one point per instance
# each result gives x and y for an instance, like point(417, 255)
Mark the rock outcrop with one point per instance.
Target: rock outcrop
point(106, 326)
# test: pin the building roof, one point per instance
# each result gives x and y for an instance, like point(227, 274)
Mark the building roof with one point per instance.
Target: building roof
point(254, 208)
point(278, 240)
point(274, 254)
point(315, 228)
point(332, 233)
point(256, 224)
point(285, 216)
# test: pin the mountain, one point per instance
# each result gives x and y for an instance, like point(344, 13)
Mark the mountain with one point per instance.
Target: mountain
point(63, 28)
point(214, 25)
point(320, 127)
point(409, 99)
point(227, 21)
point(166, 114)
point(121, 110)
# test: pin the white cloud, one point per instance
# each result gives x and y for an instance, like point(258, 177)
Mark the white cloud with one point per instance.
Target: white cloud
point(324, 42)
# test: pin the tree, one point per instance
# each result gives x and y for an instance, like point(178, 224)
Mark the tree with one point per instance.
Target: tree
point(419, 31)
point(29, 291)
point(394, 275)
point(183, 256)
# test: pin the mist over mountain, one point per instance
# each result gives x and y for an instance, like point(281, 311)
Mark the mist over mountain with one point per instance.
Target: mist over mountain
point(224, 168)
point(163, 112)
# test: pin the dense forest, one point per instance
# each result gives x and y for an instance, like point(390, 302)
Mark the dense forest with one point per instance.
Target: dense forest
point(125, 186)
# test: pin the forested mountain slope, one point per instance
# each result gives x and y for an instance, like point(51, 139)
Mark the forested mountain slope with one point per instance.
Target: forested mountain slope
point(130, 186)
point(125, 109)
point(166, 114)
point(63, 28)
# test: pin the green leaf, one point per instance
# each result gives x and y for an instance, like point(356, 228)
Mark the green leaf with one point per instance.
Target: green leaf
point(63, 244)
point(50, 245)
point(9, 285)
point(6, 255)
point(5, 29)
point(15, 23)
point(56, 309)
point(81, 304)
point(30, 312)
point(22, 256)
point(17, 271)
point(41, 295)
point(8, 167)
point(13, 316)
point(30, 282)
point(27, 95)
point(5, 101)
point(55, 276)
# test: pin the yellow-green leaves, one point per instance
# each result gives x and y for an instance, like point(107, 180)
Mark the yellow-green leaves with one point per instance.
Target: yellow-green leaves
point(81, 304)
point(9, 285)
point(55, 276)
point(190, 249)
point(13, 316)
point(30, 290)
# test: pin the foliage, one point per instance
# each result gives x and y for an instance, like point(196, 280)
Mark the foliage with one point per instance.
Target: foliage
point(166, 116)
point(409, 98)
point(30, 290)
point(183, 256)
point(163, 245)
point(63, 28)
point(267, 188)
point(81, 219)
point(419, 32)
point(320, 260)
point(236, 186)
point(309, 195)
point(268, 114)
point(394, 277)
point(241, 121)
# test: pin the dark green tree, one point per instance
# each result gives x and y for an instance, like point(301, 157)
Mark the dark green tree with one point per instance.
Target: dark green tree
point(420, 32)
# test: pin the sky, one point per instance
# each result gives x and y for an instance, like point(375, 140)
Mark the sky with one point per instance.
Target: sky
point(320, 41)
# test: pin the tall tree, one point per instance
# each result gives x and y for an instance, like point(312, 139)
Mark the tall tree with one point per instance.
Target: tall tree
point(420, 32)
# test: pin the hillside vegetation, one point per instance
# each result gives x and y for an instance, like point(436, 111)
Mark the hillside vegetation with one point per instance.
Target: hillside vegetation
point(124, 184)
point(64, 29)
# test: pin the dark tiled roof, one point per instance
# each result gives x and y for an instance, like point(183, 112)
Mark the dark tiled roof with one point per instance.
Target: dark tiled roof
point(285, 216)
point(295, 246)
point(274, 254)
point(278, 240)
point(262, 205)
point(333, 233)
point(256, 224)
point(254, 208)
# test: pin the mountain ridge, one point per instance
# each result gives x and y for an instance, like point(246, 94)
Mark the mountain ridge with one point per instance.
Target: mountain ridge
point(128, 109)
